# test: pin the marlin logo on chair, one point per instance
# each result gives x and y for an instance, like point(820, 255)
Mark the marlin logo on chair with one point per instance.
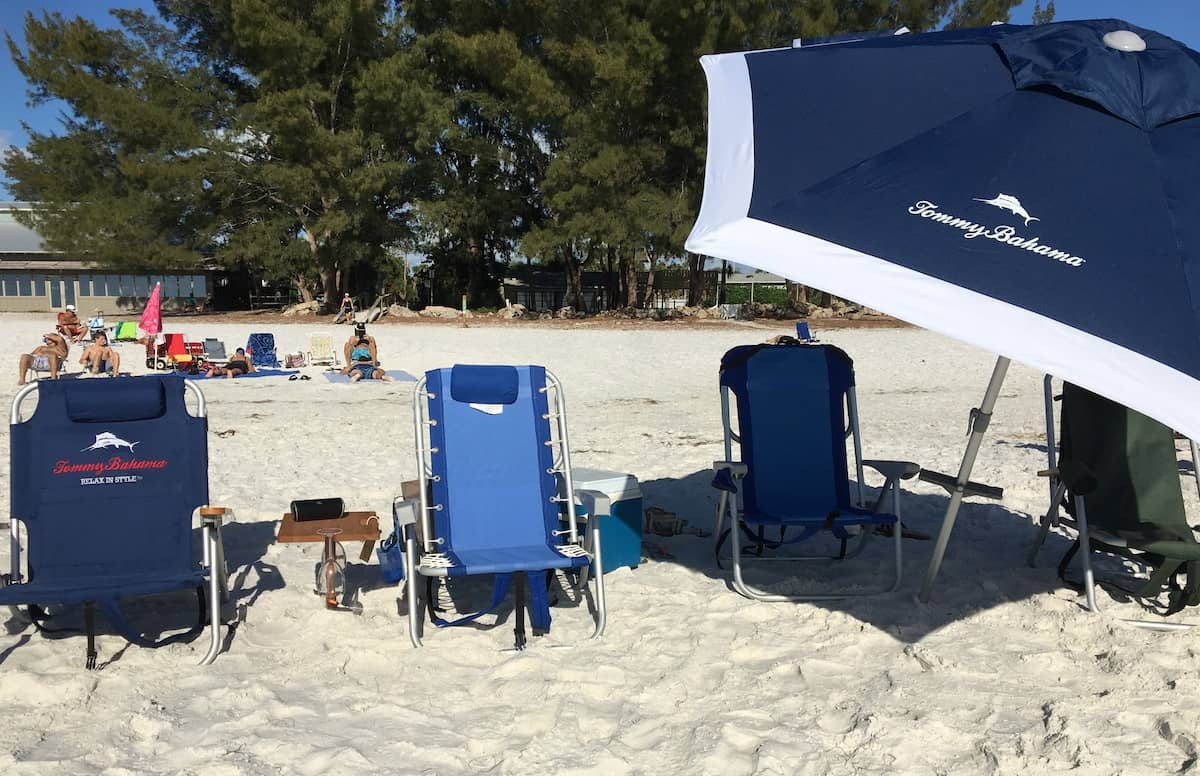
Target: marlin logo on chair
point(107, 439)
point(1011, 204)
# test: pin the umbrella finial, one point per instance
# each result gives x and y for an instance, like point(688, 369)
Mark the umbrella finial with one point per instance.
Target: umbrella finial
point(1124, 40)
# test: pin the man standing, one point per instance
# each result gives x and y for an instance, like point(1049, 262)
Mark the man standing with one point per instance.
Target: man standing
point(48, 356)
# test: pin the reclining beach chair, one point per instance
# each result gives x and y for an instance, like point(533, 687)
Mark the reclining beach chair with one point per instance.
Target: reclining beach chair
point(37, 371)
point(795, 408)
point(261, 347)
point(1118, 478)
point(321, 351)
point(106, 477)
point(214, 351)
point(125, 331)
point(495, 487)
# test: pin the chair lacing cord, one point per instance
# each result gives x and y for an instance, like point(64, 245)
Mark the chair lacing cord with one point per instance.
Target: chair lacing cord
point(437, 560)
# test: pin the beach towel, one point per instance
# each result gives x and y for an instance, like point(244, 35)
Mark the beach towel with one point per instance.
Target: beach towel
point(259, 373)
point(397, 375)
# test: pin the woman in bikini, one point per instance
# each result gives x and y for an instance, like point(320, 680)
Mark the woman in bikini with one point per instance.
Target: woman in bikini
point(238, 365)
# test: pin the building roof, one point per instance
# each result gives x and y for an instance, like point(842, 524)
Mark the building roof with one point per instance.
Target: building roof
point(764, 278)
point(14, 237)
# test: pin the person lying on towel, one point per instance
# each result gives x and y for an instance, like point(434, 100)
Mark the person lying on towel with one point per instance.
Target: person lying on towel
point(238, 365)
point(361, 365)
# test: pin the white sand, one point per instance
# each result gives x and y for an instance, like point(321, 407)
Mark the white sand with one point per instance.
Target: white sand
point(1002, 673)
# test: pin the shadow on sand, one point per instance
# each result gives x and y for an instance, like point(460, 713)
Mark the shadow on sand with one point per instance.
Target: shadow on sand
point(984, 565)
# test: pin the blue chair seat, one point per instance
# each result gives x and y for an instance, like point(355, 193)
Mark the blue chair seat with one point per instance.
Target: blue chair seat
point(64, 590)
point(504, 560)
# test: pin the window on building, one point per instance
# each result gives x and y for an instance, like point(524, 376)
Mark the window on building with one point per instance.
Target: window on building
point(39, 285)
point(85, 285)
point(185, 286)
point(127, 286)
point(10, 284)
point(142, 287)
point(69, 287)
point(170, 286)
point(198, 287)
point(24, 285)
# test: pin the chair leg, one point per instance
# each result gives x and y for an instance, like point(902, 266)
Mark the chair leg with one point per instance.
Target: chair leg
point(1048, 520)
point(598, 575)
point(1085, 555)
point(209, 534)
point(414, 614)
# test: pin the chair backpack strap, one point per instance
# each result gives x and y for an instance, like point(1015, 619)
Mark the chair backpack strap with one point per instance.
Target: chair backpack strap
point(499, 593)
point(539, 603)
point(112, 609)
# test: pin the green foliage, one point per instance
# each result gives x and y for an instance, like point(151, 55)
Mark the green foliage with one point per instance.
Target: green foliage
point(1043, 15)
point(306, 138)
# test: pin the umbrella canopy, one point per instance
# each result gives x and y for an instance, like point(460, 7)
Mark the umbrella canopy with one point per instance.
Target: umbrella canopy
point(151, 322)
point(1031, 190)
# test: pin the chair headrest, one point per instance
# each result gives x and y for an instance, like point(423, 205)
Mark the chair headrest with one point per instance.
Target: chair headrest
point(471, 384)
point(111, 401)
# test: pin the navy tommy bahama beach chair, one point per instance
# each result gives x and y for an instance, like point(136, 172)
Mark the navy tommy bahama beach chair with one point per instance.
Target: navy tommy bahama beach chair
point(261, 347)
point(796, 407)
point(495, 481)
point(106, 476)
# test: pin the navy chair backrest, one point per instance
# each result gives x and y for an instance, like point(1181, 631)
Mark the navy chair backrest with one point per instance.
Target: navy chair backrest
point(791, 417)
point(492, 462)
point(106, 475)
point(262, 349)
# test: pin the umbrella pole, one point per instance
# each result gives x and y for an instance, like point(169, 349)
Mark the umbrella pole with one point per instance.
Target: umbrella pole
point(980, 418)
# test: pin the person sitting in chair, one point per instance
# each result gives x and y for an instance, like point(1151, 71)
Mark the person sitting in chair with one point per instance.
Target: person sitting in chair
point(69, 325)
point(361, 365)
point(49, 356)
point(99, 358)
point(361, 339)
point(240, 364)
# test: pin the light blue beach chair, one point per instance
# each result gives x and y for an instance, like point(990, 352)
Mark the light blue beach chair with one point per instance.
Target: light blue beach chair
point(495, 476)
point(796, 408)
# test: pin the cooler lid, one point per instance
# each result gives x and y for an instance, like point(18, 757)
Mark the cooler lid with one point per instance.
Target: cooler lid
point(615, 485)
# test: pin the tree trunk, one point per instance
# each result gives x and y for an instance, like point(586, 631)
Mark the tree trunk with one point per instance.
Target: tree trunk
point(695, 290)
point(795, 296)
point(301, 284)
point(611, 280)
point(651, 264)
point(574, 273)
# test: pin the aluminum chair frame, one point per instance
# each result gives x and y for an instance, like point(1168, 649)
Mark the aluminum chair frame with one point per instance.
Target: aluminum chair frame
point(211, 519)
point(594, 503)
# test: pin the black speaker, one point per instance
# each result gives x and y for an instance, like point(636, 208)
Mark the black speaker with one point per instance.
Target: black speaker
point(317, 509)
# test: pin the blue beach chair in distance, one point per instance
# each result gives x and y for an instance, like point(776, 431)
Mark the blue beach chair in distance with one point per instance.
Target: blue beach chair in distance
point(796, 407)
point(261, 347)
point(496, 491)
point(106, 477)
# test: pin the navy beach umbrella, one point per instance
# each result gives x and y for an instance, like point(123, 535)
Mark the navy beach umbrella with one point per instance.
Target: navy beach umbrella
point(1011, 186)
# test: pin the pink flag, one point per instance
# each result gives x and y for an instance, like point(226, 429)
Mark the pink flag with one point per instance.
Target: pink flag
point(151, 322)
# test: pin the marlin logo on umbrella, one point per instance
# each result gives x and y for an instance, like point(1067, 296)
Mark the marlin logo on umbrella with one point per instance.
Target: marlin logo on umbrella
point(1011, 204)
point(109, 440)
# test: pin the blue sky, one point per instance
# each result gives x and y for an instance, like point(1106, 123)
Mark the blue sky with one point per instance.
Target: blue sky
point(1178, 18)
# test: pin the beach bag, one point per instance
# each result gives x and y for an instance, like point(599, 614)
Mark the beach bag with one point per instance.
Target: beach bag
point(293, 360)
point(391, 556)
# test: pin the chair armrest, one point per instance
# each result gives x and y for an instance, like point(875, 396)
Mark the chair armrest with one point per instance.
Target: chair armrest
point(1077, 476)
point(404, 515)
point(895, 470)
point(595, 503)
point(209, 514)
point(971, 488)
point(736, 468)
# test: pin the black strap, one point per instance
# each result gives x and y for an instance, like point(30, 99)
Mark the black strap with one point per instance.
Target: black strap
point(112, 609)
point(519, 610)
point(89, 623)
